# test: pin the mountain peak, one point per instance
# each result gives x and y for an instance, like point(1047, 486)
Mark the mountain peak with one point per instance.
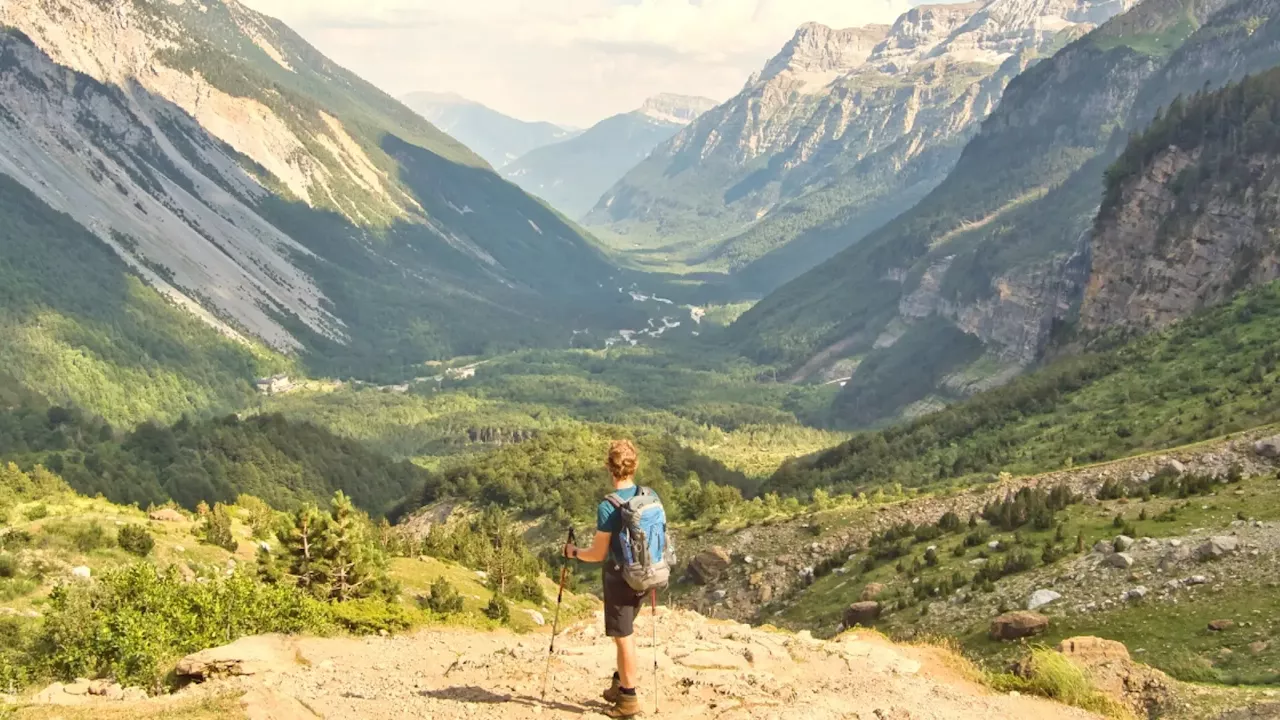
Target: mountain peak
point(819, 49)
point(676, 109)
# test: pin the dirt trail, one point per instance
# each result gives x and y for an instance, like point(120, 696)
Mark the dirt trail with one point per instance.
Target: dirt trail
point(708, 669)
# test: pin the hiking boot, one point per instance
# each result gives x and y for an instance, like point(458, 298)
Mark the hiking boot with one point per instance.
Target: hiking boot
point(626, 706)
point(613, 693)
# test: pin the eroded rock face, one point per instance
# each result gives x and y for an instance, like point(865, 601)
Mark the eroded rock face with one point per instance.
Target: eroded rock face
point(1143, 690)
point(1156, 261)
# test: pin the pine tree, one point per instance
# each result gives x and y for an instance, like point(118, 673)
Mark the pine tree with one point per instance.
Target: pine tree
point(303, 551)
point(216, 529)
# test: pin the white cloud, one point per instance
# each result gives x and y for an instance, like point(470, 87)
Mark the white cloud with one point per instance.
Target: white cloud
point(569, 61)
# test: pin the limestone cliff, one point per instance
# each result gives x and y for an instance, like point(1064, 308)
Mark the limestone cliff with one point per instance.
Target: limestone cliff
point(839, 132)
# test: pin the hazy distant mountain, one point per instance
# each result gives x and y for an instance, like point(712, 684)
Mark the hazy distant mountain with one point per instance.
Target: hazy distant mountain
point(498, 138)
point(572, 175)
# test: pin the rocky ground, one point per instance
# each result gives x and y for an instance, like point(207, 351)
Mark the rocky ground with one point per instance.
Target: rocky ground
point(706, 669)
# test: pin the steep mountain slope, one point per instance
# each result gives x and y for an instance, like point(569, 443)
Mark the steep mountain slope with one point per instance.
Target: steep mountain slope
point(1190, 211)
point(499, 139)
point(573, 174)
point(999, 250)
point(244, 175)
point(840, 132)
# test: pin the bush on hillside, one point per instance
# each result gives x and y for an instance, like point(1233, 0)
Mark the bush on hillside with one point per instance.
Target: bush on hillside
point(134, 621)
point(135, 539)
point(498, 609)
point(216, 528)
point(444, 598)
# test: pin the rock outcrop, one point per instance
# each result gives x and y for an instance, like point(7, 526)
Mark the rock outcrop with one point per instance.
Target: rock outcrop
point(707, 566)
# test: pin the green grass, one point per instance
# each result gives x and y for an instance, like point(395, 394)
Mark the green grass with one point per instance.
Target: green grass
point(1053, 676)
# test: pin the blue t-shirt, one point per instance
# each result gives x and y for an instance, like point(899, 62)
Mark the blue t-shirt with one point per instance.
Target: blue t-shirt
point(609, 519)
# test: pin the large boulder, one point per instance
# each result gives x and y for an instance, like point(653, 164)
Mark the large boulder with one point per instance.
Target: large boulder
point(1145, 691)
point(1120, 560)
point(1216, 547)
point(872, 591)
point(247, 656)
point(864, 613)
point(1040, 598)
point(1018, 625)
point(1268, 447)
point(707, 565)
point(1122, 543)
point(166, 515)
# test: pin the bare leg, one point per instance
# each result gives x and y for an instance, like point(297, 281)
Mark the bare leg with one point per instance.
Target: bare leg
point(626, 661)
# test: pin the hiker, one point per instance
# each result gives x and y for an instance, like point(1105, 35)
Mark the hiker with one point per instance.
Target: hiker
point(631, 541)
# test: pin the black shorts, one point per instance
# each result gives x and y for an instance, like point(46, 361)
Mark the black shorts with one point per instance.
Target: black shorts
point(621, 605)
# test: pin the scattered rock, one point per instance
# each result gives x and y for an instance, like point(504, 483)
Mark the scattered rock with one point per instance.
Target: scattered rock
point(872, 591)
point(1222, 625)
point(1136, 593)
point(81, 572)
point(1016, 625)
point(1259, 647)
point(536, 617)
point(1040, 598)
point(864, 613)
point(1217, 547)
point(993, 545)
point(707, 565)
point(1120, 560)
point(1175, 466)
point(1122, 543)
point(1196, 580)
point(719, 595)
point(1104, 547)
point(167, 515)
point(1092, 650)
point(106, 689)
point(1268, 447)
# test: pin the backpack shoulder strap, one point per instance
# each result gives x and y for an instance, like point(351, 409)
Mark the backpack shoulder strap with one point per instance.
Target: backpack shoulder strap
point(615, 500)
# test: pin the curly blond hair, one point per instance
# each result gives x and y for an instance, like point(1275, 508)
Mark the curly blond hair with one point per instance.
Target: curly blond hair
point(623, 460)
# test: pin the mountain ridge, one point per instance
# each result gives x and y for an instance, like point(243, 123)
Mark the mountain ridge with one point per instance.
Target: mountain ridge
point(500, 139)
point(841, 126)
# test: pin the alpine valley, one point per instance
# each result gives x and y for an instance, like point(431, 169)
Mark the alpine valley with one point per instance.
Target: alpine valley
point(965, 328)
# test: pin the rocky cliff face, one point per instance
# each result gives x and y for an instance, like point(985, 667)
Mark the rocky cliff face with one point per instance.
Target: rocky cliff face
point(1002, 248)
point(1189, 221)
point(842, 126)
point(278, 214)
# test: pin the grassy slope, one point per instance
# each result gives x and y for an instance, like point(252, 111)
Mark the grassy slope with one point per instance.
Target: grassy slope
point(1171, 637)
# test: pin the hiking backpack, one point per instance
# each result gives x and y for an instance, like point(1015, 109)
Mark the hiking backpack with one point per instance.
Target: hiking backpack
point(647, 552)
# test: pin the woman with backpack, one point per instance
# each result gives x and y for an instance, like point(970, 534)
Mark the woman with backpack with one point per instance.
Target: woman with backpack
point(631, 540)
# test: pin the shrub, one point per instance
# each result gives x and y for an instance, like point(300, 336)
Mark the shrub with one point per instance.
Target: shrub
point(370, 616)
point(135, 539)
point(15, 539)
point(445, 598)
point(498, 609)
point(39, 511)
point(1050, 674)
point(216, 529)
point(530, 590)
point(261, 518)
point(135, 620)
point(90, 536)
point(8, 566)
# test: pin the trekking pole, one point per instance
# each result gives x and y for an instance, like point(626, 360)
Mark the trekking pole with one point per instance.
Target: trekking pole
point(653, 603)
point(555, 624)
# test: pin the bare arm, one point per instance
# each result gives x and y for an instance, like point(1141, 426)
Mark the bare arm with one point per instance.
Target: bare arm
point(596, 553)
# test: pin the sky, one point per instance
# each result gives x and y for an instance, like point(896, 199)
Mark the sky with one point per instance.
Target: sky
point(572, 62)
